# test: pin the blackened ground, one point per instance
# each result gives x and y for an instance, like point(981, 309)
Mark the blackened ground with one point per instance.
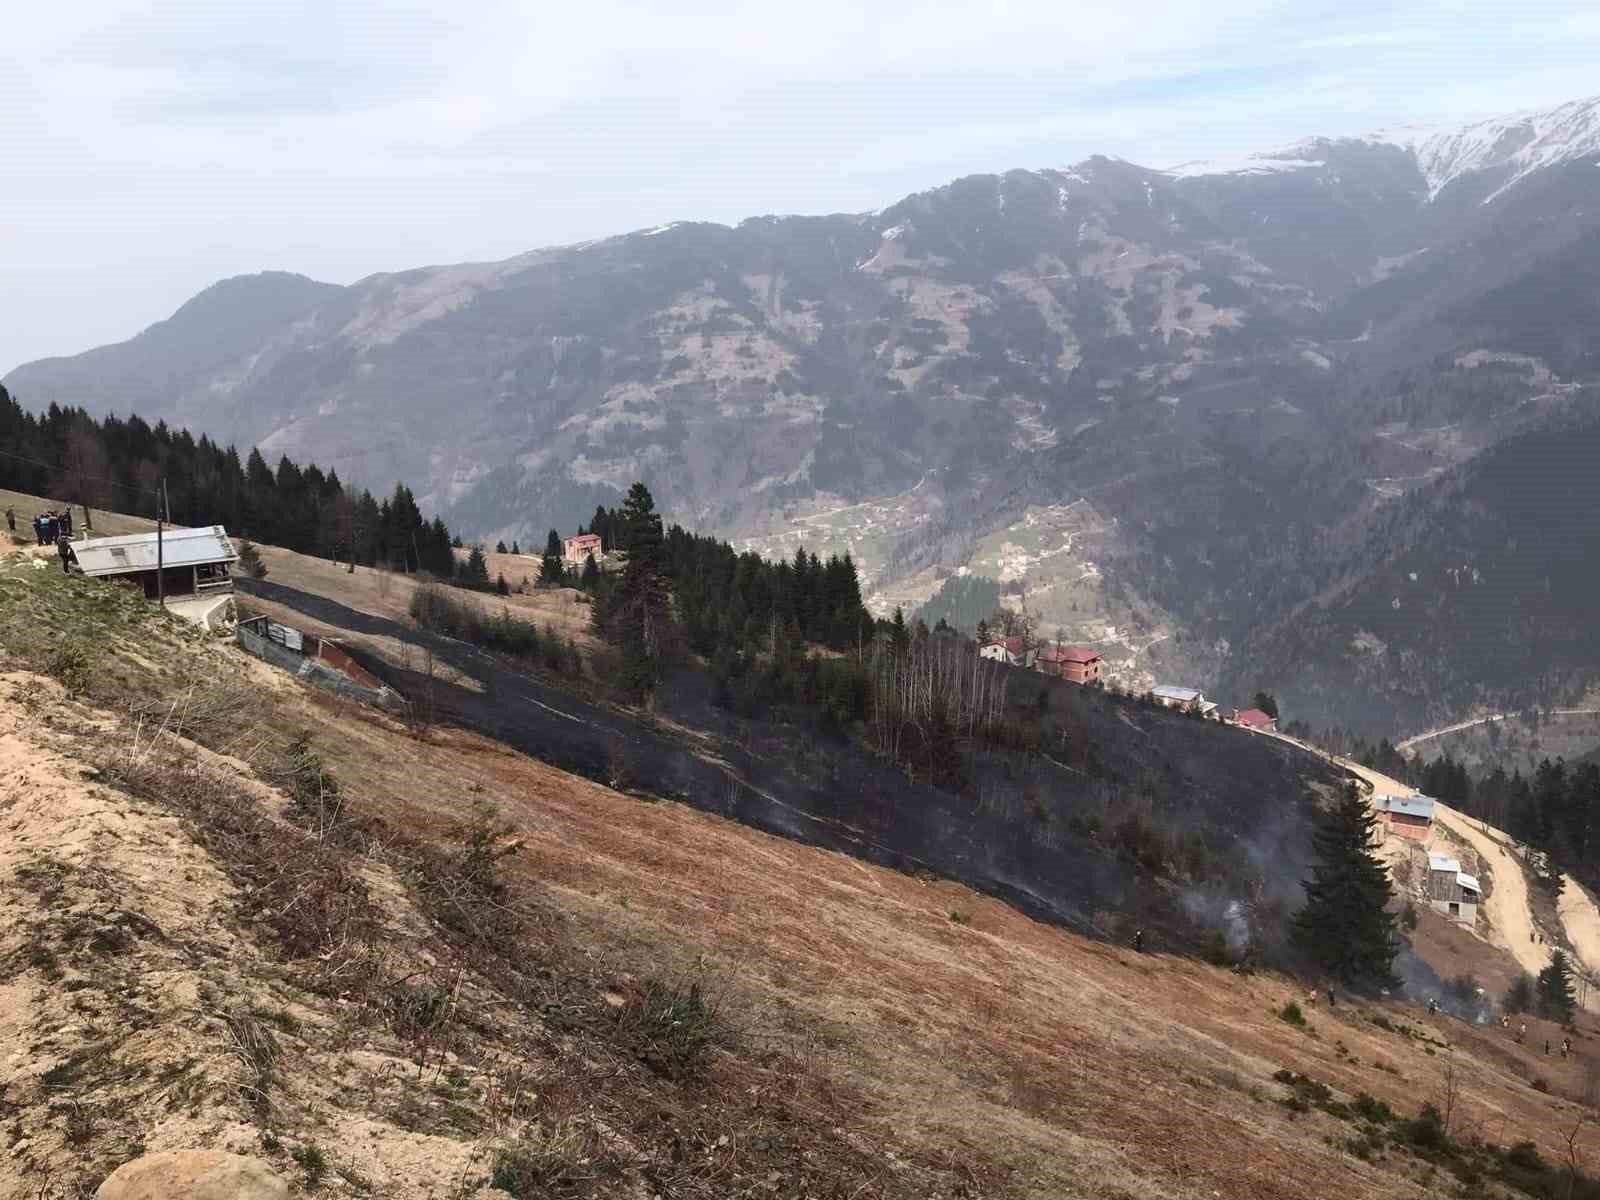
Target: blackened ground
point(1035, 830)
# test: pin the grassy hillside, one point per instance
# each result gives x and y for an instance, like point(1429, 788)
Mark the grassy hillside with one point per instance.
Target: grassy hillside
point(379, 993)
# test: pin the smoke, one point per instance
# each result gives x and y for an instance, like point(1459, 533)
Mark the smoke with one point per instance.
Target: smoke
point(1421, 984)
point(1214, 910)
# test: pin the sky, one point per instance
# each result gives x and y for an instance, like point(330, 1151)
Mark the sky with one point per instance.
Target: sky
point(148, 149)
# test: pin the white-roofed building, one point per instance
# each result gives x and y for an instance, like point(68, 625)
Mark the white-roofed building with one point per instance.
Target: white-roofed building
point(192, 562)
point(1189, 699)
point(1451, 891)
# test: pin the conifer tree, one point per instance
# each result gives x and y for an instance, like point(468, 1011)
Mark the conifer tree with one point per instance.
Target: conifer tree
point(639, 617)
point(1346, 927)
point(591, 574)
point(1519, 997)
point(476, 571)
point(1554, 989)
point(500, 547)
point(551, 572)
point(515, 549)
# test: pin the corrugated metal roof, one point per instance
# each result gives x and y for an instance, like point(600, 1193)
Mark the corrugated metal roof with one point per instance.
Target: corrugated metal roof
point(1443, 862)
point(1468, 882)
point(137, 551)
point(1414, 805)
point(1183, 695)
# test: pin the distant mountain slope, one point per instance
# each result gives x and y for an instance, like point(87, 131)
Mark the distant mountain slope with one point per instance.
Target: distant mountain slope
point(1481, 593)
point(186, 363)
point(1163, 408)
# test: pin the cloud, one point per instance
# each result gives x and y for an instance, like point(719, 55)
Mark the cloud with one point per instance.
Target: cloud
point(151, 148)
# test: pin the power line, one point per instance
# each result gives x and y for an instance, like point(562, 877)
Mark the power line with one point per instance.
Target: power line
point(39, 462)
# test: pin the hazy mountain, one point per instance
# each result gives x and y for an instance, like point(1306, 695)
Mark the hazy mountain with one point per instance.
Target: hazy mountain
point(1174, 407)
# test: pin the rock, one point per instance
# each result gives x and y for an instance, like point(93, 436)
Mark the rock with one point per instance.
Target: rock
point(193, 1175)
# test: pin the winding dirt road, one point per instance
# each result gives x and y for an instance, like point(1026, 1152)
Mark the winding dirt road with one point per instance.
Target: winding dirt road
point(1506, 907)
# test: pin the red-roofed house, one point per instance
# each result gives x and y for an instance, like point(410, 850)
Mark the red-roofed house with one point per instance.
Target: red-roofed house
point(1013, 650)
point(1254, 718)
point(1077, 664)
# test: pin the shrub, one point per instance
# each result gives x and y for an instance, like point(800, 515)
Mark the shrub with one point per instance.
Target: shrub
point(1369, 1108)
point(1525, 1155)
point(1426, 1130)
point(672, 1028)
point(553, 1159)
point(1291, 1013)
point(312, 1162)
point(463, 890)
point(71, 663)
point(250, 560)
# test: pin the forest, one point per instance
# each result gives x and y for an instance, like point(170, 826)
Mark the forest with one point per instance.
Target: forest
point(120, 464)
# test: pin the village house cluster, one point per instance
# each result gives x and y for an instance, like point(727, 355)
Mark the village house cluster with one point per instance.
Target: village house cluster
point(1085, 665)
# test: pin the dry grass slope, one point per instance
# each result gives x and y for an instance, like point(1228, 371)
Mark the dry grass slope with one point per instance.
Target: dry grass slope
point(422, 965)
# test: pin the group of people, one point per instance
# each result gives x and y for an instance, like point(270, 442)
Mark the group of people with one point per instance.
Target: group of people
point(49, 528)
point(53, 527)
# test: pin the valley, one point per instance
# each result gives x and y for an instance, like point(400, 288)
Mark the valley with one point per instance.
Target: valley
point(1211, 419)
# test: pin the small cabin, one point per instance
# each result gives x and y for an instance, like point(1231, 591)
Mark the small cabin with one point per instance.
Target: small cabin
point(177, 562)
point(1404, 816)
point(1451, 891)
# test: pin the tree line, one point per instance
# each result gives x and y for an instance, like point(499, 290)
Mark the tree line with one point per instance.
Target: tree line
point(118, 464)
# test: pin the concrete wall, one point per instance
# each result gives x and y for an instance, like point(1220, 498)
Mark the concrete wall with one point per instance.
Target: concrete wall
point(319, 673)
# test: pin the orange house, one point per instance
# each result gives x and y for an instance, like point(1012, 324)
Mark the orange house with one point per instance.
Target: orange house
point(1076, 664)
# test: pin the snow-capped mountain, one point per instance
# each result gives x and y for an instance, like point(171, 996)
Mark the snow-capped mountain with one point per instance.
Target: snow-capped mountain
point(1500, 151)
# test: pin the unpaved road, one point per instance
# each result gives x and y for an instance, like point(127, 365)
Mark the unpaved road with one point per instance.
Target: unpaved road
point(1581, 920)
point(1507, 908)
point(1418, 739)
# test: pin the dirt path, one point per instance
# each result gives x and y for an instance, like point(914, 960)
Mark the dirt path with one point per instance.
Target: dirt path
point(1580, 919)
point(1507, 907)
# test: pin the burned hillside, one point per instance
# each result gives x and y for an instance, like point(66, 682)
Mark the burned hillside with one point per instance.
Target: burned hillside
point(1101, 812)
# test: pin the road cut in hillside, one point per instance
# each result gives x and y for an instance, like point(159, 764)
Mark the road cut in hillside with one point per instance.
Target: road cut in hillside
point(1580, 919)
point(1506, 907)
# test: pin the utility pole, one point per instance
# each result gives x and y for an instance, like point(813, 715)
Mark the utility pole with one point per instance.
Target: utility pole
point(161, 565)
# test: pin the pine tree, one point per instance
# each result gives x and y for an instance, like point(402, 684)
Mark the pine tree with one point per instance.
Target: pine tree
point(639, 617)
point(500, 547)
point(590, 576)
point(551, 572)
point(1519, 996)
point(1346, 927)
point(476, 571)
point(501, 586)
point(515, 548)
point(1554, 989)
point(898, 633)
point(250, 560)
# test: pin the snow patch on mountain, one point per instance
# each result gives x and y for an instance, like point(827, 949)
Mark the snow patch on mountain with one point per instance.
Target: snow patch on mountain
point(1523, 142)
point(1251, 164)
point(1520, 143)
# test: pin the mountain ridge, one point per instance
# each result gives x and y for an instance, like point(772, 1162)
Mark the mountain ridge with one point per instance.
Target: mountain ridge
point(1105, 386)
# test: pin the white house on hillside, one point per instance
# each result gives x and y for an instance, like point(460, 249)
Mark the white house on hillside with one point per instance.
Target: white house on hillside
point(1171, 696)
point(1013, 651)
